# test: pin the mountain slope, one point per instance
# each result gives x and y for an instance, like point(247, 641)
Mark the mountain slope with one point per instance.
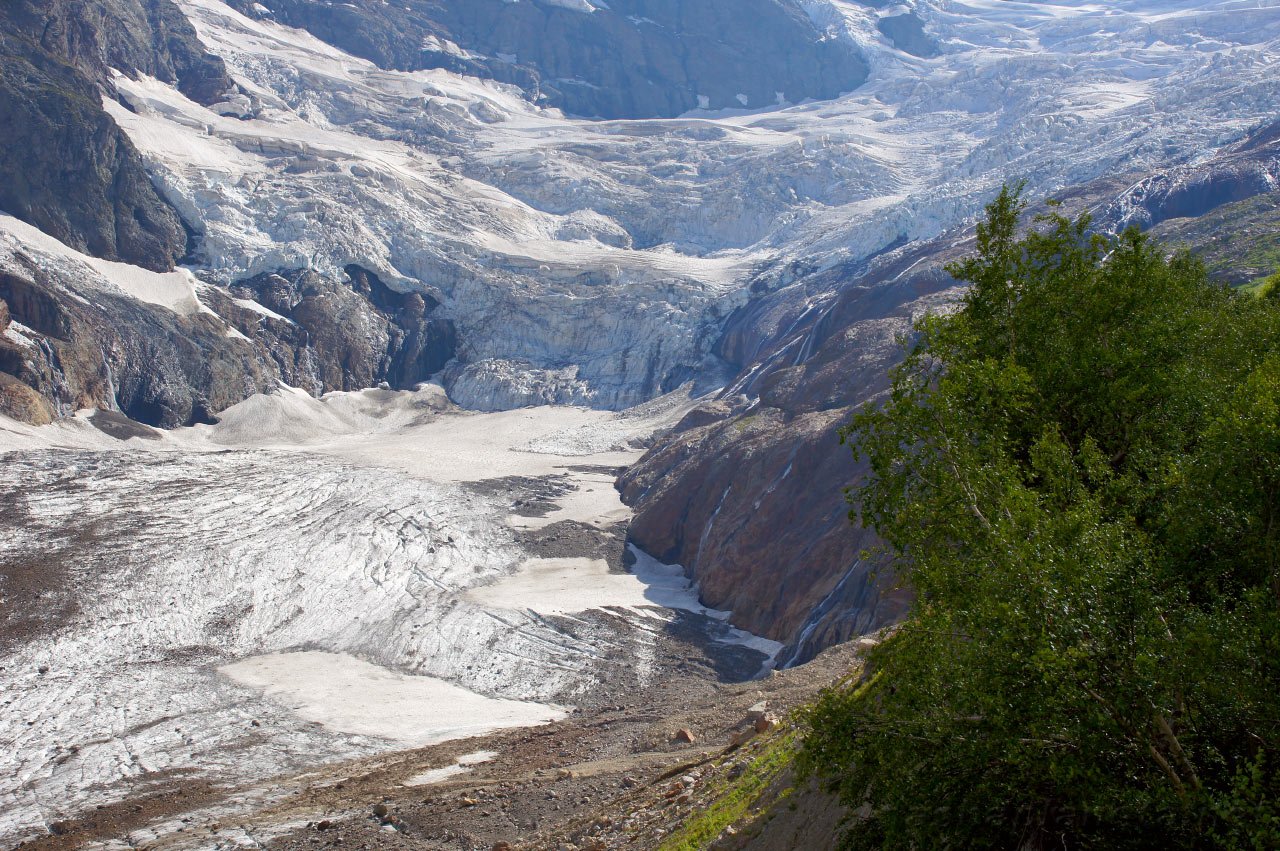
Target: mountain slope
point(351, 224)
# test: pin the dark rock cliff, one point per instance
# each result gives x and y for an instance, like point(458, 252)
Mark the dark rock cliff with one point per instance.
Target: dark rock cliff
point(93, 349)
point(113, 352)
point(746, 494)
point(625, 59)
point(342, 335)
point(67, 168)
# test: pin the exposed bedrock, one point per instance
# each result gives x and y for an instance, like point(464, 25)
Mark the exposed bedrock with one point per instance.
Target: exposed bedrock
point(70, 171)
point(622, 59)
point(746, 492)
point(117, 353)
point(330, 334)
point(1242, 171)
point(68, 167)
point(76, 346)
point(151, 37)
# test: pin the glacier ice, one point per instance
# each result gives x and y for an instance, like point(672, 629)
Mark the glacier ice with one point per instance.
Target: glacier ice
point(593, 262)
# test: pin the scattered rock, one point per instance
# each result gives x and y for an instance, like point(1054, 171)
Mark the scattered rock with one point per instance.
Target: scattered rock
point(685, 736)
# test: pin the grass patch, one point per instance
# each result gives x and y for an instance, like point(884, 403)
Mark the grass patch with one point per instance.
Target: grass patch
point(732, 799)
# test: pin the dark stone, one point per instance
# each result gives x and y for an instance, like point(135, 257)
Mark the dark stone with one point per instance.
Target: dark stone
point(343, 335)
point(70, 171)
point(113, 352)
point(65, 166)
point(151, 37)
point(627, 59)
point(906, 31)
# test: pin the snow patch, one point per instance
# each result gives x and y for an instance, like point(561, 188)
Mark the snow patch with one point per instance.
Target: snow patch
point(350, 695)
point(175, 291)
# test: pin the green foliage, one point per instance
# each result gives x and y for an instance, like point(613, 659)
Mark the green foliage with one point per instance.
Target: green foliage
point(1268, 287)
point(732, 799)
point(1080, 471)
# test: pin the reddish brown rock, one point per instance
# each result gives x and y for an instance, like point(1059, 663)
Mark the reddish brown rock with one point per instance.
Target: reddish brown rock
point(748, 497)
point(20, 402)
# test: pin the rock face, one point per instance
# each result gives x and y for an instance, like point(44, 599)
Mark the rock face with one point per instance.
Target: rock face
point(68, 168)
point(151, 37)
point(114, 352)
point(327, 334)
point(350, 223)
point(745, 492)
point(69, 340)
point(621, 59)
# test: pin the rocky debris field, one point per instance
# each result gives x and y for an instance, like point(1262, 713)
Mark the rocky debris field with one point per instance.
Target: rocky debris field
point(196, 616)
point(626, 775)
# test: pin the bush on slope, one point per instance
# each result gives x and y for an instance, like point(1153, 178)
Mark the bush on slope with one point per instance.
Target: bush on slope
point(1080, 472)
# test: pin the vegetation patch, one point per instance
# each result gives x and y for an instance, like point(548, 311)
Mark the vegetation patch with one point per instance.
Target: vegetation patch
point(733, 798)
point(1079, 472)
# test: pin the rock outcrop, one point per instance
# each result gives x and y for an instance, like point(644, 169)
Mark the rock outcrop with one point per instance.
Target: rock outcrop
point(114, 352)
point(325, 334)
point(68, 342)
point(745, 492)
point(621, 59)
point(68, 168)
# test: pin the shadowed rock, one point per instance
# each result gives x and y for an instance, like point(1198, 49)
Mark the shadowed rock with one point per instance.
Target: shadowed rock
point(621, 59)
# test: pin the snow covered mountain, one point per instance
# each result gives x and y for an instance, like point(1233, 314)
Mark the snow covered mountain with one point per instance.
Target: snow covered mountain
point(596, 262)
point(553, 202)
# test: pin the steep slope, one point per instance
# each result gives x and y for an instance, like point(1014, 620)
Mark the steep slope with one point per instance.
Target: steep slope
point(622, 59)
point(745, 493)
point(528, 257)
point(68, 168)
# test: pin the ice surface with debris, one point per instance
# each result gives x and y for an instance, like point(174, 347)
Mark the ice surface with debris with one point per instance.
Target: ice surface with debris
point(301, 582)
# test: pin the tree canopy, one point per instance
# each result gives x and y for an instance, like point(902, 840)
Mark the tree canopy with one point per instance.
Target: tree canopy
point(1079, 473)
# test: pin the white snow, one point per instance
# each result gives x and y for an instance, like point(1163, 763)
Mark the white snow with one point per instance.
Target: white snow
point(461, 766)
point(436, 775)
point(595, 502)
point(174, 291)
point(584, 261)
point(562, 586)
point(306, 581)
point(353, 696)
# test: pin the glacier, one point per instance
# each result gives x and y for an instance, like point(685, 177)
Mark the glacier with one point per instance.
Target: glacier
point(310, 581)
point(593, 262)
point(212, 577)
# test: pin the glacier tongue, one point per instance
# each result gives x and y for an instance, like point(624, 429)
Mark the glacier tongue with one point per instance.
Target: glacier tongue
point(341, 561)
point(593, 262)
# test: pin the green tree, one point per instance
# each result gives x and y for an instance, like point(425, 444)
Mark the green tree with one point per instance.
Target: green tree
point(1079, 471)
